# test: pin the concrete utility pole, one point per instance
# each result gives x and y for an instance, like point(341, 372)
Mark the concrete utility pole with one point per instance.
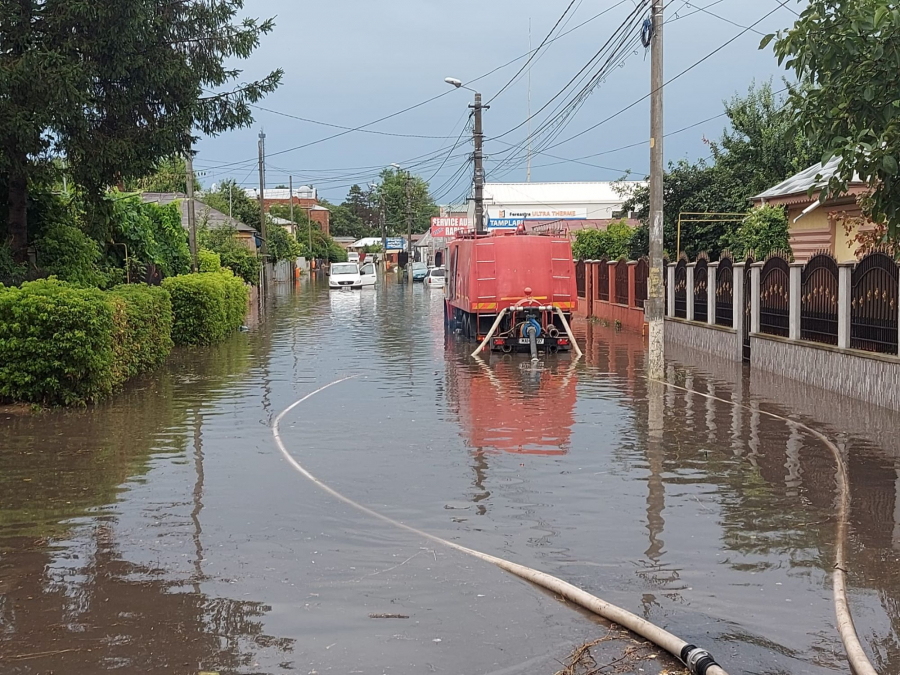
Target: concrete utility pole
point(656, 289)
point(479, 164)
point(291, 196)
point(409, 220)
point(191, 213)
point(262, 199)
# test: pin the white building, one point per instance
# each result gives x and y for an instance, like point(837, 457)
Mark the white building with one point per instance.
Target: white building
point(572, 205)
point(284, 194)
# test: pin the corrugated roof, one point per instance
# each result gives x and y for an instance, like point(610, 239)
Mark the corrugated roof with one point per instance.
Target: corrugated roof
point(214, 219)
point(814, 178)
point(557, 193)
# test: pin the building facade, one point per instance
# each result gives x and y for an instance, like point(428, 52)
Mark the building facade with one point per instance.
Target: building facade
point(304, 198)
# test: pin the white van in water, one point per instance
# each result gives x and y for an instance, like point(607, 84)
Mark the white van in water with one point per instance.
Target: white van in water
point(350, 275)
point(353, 257)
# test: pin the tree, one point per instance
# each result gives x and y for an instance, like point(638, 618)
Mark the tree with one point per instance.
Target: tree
point(845, 57)
point(230, 197)
point(764, 231)
point(170, 175)
point(393, 192)
point(761, 149)
point(344, 223)
point(115, 87)
point(611, 243)
point(362, 205)
point(282, 245)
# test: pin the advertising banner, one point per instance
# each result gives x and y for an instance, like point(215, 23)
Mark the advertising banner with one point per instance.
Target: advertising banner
point(505, 223)
point(538, 213)
point(446, 227)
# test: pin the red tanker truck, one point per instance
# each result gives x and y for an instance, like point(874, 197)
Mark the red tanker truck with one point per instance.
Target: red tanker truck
point(520, 286)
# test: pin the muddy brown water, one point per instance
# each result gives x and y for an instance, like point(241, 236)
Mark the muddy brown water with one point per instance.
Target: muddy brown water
point(163, 532)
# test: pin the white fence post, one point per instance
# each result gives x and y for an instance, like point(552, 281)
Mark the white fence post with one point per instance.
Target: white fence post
point(689, 315)
point(795, 306)
point(755, 272)
point(712, 273)
point(670, 310)
point(738, 318)
point(845, 288)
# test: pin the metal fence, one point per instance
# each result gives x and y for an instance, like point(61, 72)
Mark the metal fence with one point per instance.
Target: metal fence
point(622, 282)
point(774, 297)
point(579, 277)
point(701, 284)
point(873, 304)
point(681, 288)
point(819, 300)
point(641, 274)
point(725, 292)
point(603, 280)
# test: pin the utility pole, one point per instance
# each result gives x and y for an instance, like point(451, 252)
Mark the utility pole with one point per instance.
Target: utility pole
point(191, 213)
point(231, 200)
point(479, 164)
point(264, 249)
point(291, 196)
point(656, 289)
point(528, 178)
point(409, 220)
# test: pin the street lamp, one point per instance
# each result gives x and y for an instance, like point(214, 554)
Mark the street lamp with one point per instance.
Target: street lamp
point(479, 152)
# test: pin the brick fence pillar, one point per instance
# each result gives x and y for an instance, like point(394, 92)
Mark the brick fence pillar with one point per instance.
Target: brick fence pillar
point(612, 281)
point(632, 283)
point(589, 287)
point(738, 316)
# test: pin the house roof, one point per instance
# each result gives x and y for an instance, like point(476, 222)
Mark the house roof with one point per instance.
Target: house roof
point(812, 179)
point(214, 219)
point(557, 193)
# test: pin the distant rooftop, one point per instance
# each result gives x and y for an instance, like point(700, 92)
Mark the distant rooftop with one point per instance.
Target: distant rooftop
point(214, 219)
point(558, 193)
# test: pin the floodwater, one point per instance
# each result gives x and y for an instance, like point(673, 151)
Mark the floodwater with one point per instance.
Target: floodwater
point(163, 532)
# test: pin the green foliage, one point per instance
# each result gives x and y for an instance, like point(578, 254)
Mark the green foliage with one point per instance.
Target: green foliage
point(845, 57)
point(68, 253)
point(207, 307)
point(11, 272)
point(362, 207)
point(63, 344)
point(170, 175)
point(345, 223)
point(142, 337)
point(209, 261)
point(153, 234)
point(764, 231)
point(400, 196)
point(230, 198)
point(611, 243)
point(761, 149)
point(232, 253)
point(115, 87)
point(281, 244)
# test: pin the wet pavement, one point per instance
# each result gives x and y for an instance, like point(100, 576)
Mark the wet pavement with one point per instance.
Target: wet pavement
point(162, 531)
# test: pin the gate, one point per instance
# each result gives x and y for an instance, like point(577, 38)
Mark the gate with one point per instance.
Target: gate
point(701, 298)
point(873, 304)
point(775, 297)
point(681, 288)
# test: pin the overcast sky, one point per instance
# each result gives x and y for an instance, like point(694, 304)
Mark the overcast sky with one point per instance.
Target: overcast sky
point(350, 62)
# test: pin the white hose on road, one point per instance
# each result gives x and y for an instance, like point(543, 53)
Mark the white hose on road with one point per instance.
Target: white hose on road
point(698, 660)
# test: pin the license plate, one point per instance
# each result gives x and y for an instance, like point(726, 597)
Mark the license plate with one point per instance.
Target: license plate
point(527, 341)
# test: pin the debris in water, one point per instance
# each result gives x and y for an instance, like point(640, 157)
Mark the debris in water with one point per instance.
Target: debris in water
point(388, 616)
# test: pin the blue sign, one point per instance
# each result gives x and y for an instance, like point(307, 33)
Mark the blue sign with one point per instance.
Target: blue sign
point(505, 223)
point(396, 244)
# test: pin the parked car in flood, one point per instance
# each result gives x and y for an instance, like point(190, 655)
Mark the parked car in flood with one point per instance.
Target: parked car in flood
point(437, 277)
point(351, 275)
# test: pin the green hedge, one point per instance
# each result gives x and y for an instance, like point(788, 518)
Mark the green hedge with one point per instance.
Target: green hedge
point(143, 336)
point(61, 344)
point(207, 307)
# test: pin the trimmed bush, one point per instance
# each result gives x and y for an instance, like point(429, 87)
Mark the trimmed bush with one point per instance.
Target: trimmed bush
point(68, 253)
point(61, 344)
point(209, 261)
point(242, 262)
point(55, 343)
point(143, 329)
point(207, 307)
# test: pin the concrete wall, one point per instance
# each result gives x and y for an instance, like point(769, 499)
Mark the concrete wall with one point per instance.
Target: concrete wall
point(870, 377)
point(631, 318)
point(716, 340)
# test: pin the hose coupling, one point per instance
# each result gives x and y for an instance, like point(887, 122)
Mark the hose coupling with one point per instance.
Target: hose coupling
point(697, 660)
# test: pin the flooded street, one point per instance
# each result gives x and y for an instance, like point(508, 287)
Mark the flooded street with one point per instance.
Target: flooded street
point(163, 531)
